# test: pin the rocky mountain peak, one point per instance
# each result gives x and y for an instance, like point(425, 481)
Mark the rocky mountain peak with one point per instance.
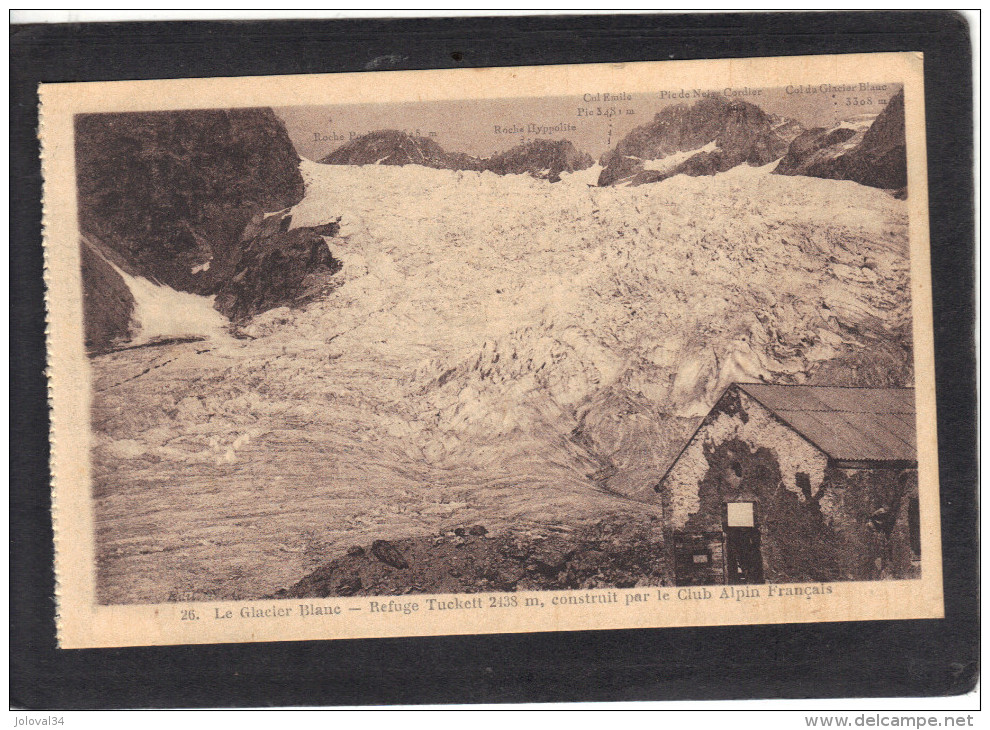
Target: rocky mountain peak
point(541, 158)
point(171, 191)
point(712, 135)
point(867, 149)
point(389, 147)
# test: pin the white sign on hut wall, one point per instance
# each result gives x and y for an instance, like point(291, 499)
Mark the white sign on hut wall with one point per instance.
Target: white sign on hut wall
point(739, 514)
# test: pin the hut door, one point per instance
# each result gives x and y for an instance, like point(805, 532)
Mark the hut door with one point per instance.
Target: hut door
point(743, 559)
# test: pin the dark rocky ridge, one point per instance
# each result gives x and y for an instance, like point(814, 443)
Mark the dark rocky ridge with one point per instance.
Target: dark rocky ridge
point(275, 265)
point(877, 159)
point(814, 149)
point(541, 158)
point(107, 302)
point(167, 194)
point(742, 133)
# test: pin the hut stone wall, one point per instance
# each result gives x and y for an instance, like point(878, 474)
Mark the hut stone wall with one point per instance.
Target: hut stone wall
point(817, 522)
point(737, 423)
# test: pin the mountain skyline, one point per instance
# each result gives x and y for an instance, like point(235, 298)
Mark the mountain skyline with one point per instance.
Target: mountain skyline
point(486, 127)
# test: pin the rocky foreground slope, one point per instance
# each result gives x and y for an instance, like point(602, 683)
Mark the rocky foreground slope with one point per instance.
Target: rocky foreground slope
point(496, 350)
point(616, 552)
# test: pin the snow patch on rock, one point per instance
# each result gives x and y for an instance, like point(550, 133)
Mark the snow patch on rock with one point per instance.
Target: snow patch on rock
point(668, 163)
point(161, 312)
point(587, 176)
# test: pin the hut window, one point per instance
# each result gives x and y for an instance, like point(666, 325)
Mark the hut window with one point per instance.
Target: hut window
point(739, 514)
point(914, 526)
point(737, 468)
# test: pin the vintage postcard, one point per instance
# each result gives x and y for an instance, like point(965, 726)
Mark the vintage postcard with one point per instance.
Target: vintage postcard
point(491, 350)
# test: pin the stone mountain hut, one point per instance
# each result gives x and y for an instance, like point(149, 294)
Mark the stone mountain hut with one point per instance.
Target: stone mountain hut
point(796, 483)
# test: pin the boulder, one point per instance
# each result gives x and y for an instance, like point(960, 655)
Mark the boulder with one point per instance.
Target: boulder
point(171, 192)
point(388, 554)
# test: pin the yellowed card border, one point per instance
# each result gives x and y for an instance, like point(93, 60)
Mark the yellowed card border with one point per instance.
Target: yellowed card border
point(81, 623)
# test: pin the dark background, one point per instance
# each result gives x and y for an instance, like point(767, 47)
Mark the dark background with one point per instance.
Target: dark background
point(861, 659)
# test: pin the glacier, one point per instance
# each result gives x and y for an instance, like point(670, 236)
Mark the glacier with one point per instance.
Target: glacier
point(497, 349)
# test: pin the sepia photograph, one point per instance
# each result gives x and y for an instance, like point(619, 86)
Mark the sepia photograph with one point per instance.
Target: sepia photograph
point(510, 350)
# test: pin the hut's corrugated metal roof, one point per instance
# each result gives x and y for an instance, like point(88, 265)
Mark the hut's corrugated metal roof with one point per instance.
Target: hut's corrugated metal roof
point(848, 424)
